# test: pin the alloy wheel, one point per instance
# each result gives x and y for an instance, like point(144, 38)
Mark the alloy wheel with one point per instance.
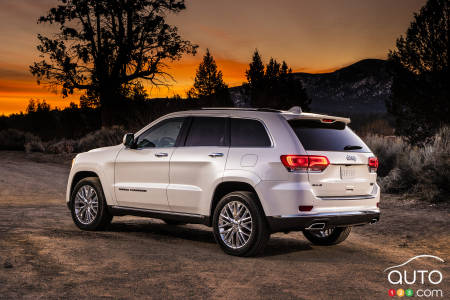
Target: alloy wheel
point(86, 204)
point(235, 224)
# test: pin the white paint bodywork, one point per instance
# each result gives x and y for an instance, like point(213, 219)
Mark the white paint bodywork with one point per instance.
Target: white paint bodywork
point(185, 180)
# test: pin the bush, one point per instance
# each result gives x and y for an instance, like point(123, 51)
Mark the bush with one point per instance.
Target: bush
point(387, 149)
point(12, 139)
point(34, 145)
point(101, 138)
point(377, 126)
point(64, 146)
point(422, 171)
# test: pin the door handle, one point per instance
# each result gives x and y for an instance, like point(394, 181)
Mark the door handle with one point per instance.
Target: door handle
point(216, 154)
point(161, 154)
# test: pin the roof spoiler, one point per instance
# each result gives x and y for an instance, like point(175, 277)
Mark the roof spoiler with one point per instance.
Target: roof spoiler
point(295, 110)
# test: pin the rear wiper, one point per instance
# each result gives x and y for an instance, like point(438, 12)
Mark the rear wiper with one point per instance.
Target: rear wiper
point(351, 147)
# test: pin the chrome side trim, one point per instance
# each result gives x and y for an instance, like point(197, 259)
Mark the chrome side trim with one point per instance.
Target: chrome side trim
point(362, 197)
point(332, 214)
point(144, 210)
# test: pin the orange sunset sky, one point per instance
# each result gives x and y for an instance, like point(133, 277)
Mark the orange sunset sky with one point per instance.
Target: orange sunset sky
point(311, 35)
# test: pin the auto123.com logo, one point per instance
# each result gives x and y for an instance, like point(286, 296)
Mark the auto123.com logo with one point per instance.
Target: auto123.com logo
point(414, 279)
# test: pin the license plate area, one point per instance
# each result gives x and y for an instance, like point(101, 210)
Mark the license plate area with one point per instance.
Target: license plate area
point(347, 172)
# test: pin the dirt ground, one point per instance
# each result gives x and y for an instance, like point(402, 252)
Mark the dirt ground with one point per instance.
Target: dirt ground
point(43, 254)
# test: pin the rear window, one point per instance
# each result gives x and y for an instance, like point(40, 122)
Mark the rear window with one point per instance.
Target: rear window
point(248, 133)
point(317, 136)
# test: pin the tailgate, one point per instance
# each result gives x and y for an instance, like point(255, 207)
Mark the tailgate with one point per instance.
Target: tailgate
point(347, 175)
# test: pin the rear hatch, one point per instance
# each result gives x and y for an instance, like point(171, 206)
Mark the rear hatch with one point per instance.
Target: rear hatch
point(348, 173)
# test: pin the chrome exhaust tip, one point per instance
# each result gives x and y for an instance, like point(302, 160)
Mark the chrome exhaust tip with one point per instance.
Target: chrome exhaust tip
point(316, 226)
point(373, 221)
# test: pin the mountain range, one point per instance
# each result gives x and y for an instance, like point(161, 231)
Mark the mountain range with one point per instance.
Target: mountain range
point(360, 88)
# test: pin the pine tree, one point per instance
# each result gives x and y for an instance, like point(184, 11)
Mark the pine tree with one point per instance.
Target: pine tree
point(274, 85)
point(255, 73)
point(208, 80)
point(420, 92)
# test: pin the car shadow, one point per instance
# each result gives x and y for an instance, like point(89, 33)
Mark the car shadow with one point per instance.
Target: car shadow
point(280, 246)
point(160, 231)
point(164, 231)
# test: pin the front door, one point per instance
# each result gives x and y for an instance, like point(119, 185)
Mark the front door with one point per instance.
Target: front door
point(142, 174)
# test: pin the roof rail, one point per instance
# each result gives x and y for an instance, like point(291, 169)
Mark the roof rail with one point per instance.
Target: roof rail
point(243, 108)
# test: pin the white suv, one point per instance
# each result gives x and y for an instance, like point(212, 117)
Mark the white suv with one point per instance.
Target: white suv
point(245, 172)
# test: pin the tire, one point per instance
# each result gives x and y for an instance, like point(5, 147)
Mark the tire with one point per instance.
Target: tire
point(173, 222)
point(334, 236)
point(237, 234)
point(89, 189)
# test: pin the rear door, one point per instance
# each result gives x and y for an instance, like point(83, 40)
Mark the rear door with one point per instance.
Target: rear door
point(348, 173)
point(197, 167)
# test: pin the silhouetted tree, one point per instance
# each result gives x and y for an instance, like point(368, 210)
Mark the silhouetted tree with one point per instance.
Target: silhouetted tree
point(274, 86)
point(90, 99)
point(209, 86)
point(272, 74)
point(420, 89)
point(255, 73)
point(136, 92)
point(103, 45)
point(208, 80)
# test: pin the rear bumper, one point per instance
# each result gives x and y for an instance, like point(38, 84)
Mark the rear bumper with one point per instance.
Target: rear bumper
point(338, 219)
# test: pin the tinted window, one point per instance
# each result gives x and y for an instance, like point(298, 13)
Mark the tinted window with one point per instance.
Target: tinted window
point(162, 135)
point(206, 131)
point(315, 135)
point(248, 133)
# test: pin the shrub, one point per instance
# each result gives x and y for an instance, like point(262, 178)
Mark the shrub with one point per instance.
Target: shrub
point(387, 149)
point(12, 139)
point(378, 126)
point(34, 145)
point(101, 138)
point(64, 146)
point(423, 171)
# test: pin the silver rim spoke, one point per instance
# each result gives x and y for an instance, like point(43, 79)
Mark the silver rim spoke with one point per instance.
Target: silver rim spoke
point(323, 233)
point(86, 204)
point(235, 224)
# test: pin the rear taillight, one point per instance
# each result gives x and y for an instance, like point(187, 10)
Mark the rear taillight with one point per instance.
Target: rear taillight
point(373, 164)
point(318, 163)
point(310, 163)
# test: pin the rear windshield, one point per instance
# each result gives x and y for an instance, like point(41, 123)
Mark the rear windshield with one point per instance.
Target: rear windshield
point(317, 136)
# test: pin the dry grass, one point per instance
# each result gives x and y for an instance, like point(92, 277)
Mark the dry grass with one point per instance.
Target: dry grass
point(424, 171)
point(12, 139)
point(101, 138)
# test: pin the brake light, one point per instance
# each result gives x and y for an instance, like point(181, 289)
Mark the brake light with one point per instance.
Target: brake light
point(310, 163)
point(328, 121)
point(373, 164)
point(318, 163)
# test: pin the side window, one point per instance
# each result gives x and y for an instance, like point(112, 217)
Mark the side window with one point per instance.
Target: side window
point(208, 131)
point(248, 133)
point(162, 135)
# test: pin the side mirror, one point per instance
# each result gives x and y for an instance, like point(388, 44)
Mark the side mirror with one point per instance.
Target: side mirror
point(128, 140)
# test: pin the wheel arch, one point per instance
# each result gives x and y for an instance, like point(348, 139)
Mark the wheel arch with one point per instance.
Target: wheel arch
point(79, 176)
point(226, 187)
